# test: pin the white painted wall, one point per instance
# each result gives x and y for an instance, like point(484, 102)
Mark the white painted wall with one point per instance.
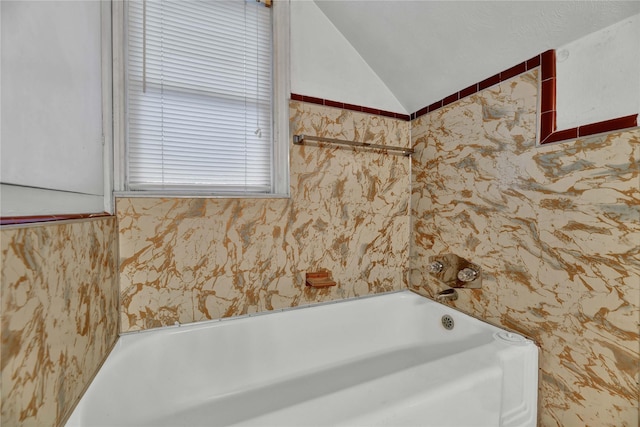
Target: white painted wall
point(599, 75)
point(51, 105)
point(426, 50)
point(325, 65)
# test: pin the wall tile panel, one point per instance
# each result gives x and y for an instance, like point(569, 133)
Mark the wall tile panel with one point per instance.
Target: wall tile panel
point(556, 231)
point(59, 315)
point(187, 260)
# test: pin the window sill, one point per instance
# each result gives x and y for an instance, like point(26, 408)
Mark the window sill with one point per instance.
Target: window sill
point(196, 195)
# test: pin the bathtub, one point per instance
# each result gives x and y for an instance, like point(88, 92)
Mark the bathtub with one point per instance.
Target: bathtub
point(384, 360)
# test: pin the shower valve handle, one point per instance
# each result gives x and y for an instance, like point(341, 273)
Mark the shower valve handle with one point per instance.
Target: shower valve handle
point(435, 267)
point(467, 274)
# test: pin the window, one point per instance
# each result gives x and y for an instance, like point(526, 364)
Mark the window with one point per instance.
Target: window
point(201, 100)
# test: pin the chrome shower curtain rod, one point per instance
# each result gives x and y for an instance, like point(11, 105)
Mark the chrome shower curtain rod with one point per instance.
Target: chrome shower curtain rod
point(300, 140)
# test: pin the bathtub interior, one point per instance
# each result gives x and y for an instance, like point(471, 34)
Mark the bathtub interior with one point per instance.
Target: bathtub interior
point(383, 360)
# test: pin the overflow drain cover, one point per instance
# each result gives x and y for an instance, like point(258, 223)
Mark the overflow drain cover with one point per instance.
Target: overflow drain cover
point(511, 338)
point(447, 322)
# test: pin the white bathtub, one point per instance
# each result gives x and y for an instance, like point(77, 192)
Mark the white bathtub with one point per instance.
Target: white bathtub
point(380, 360)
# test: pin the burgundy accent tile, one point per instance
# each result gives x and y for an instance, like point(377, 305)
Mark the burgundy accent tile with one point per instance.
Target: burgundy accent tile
point(513, 71)
point(495, 79)
point(352, 107)
point(548, 96)
point(420, 112)
point(434, 106)
point(468, 91)
point(336, 104)
point(370, 111)
point(449, 99)
point(313, 100)
point(13, 220)
point(425, 110)
point(533, 62)
point(547, 124)
point(561, 135)
point(405, 117)
point(548, 63)
point(609, 125)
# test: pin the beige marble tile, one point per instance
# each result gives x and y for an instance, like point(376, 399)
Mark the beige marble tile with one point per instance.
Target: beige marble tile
point(59, 315)
point(556, 230)
point(186, 260)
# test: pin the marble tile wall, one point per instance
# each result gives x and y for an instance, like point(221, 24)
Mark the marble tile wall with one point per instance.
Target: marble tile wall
point(557, 231)
point(59, 315)
point(187, 260)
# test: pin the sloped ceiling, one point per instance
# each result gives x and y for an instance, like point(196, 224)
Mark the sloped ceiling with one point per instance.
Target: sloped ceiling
point(426, 50)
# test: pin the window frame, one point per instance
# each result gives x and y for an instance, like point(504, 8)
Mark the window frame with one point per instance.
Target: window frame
point(281, 90)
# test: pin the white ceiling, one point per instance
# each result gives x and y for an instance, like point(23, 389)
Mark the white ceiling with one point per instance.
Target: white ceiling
point(426, 50)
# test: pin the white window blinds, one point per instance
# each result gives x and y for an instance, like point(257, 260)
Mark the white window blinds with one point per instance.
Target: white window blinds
point(199, 96)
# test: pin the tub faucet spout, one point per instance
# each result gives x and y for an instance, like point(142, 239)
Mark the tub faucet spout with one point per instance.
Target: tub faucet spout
point(447, 295)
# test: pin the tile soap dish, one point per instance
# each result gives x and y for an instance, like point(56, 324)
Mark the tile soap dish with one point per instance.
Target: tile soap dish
point(320, 279)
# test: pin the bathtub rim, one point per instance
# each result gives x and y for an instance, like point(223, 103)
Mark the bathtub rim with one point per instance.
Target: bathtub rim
point(204, 323)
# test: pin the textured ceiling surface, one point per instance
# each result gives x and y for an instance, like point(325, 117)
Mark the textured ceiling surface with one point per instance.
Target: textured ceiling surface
point(426, 50)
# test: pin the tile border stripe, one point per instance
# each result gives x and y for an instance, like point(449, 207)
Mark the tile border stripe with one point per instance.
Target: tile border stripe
point(507, 74)
point(511, 72)
point(352, 107)
point(548, 131)
point(18, 220)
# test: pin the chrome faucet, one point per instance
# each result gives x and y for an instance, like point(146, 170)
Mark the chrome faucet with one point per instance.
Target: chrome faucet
point(449, 294)
point(454, 271)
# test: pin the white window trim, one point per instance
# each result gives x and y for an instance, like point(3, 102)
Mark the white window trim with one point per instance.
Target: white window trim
point(107, 104)
point(281, 85)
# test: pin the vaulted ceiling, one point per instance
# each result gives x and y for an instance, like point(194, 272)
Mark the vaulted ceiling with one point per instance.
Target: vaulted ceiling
point(426, 50)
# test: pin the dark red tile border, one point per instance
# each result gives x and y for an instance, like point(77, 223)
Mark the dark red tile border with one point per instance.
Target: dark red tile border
point(14, 220)
point(352, 107)
point(389, 114)
point(468, 91)
point(435, 106)
point(608, 125)
point(548, 131)
point(548, 65)
point(533, 62)
point(562, 135)
point(371, 111)
point(484, 84)
point(450, 99)
point(548, 127)
point(335, 104)
point(548, 96)
point(547, 123)
point(513, 71)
